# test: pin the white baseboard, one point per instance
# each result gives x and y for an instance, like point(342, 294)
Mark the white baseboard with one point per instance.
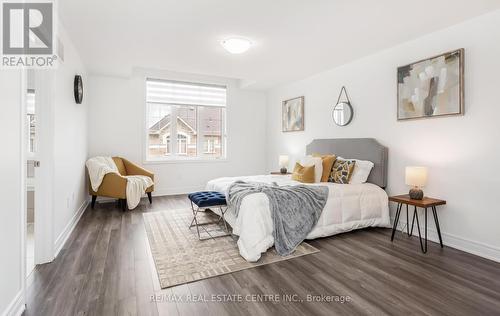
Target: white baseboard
point(161, 192)
point(178, 190)
point(457, 242)
point(16, 307)
point(61, 239)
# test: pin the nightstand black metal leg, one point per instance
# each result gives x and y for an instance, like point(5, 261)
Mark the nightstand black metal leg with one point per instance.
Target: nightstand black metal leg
point(436, 221)
point(413, 220)
point(396, 220)
point(407, 222)
point(415, 215)
point(425, 229)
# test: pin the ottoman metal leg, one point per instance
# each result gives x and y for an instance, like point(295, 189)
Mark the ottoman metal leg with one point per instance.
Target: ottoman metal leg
point(222, 212)
point(194, 222)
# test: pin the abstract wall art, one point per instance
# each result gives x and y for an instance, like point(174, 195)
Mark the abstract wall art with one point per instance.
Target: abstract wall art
point(293, 115)
point(432, 87)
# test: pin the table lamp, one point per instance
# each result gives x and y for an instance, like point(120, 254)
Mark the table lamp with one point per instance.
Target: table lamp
point(417, 178)
point(283, 163)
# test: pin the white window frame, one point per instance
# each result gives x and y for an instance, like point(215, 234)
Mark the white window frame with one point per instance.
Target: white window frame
point(176, 158)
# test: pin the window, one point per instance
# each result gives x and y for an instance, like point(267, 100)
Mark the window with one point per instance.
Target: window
point(165, 144)
point(182, 143)
point(194, 114)
point(211, 145)
point(31, 119)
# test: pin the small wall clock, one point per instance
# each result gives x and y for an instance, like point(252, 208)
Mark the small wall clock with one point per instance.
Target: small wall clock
point(78, 89)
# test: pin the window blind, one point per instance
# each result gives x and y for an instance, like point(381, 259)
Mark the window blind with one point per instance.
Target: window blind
point(184, 93)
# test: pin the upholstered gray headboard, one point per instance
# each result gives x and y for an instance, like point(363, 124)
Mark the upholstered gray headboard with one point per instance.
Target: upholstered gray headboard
point(356, 148)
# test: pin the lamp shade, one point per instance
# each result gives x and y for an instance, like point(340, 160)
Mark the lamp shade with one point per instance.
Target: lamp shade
point(283, 162)
point(416, 176)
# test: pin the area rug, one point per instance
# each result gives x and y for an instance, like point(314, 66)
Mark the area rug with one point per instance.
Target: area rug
point(181, 258)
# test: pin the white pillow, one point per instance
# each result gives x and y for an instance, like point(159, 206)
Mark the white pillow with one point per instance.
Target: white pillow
point(317, 162)
point(362, 169)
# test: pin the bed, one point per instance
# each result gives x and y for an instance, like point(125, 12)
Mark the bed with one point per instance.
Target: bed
point(349, 206)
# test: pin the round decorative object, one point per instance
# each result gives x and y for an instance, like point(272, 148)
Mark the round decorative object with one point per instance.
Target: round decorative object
point(416, 194)
point(342, 113)
point(78, 89)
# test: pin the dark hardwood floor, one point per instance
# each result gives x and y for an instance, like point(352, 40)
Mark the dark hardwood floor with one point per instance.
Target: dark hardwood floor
point(105, 269)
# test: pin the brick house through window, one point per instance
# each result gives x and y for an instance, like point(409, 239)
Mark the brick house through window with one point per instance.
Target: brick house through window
point(197, 130)
point(187, 137)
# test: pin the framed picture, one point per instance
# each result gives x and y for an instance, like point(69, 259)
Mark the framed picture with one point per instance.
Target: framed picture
point(432, 87)
point(293, 115)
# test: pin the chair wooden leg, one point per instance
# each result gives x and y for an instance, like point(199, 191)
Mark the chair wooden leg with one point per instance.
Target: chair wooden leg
point(123, 203)
point(150, 198)
point(94, 198)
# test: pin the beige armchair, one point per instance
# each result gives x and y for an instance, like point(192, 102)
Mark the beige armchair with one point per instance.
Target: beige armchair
point(114, 185)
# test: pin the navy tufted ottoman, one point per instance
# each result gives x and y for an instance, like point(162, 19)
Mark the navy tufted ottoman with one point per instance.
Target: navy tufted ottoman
point(206, 200)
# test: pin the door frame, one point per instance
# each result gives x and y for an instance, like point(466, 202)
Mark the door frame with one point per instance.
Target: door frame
point(44, 241)
point(24, 191)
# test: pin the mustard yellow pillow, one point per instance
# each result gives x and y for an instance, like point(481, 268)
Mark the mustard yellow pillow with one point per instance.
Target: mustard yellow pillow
point(342, 171)
point(303, 174)
point(328, 161)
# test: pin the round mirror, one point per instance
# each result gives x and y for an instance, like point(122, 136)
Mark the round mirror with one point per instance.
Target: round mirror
point(342, 113)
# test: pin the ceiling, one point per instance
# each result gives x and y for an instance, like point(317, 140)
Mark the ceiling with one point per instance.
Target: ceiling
point(292, 38)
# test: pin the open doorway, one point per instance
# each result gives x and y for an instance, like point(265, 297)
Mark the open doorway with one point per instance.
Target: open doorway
point(38, 144)
point(31, 164)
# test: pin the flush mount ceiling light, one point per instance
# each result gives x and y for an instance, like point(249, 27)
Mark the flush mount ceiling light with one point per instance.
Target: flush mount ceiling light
point(236, 45)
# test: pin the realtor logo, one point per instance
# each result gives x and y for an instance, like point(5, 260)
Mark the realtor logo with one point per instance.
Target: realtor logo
point(28, 34)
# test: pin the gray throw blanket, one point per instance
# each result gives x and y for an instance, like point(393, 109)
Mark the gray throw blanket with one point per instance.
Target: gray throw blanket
point(294, 209)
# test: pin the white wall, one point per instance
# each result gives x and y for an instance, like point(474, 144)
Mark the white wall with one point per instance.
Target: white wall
point(116, 120)
point(11, 269)
point(461, 151)
point(70, 142)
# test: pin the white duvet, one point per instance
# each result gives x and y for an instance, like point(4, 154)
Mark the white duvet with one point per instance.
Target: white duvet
point(349, 207)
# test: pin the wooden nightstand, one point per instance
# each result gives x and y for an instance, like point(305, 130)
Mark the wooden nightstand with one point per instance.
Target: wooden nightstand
point(425, 203)
point(277, 173)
